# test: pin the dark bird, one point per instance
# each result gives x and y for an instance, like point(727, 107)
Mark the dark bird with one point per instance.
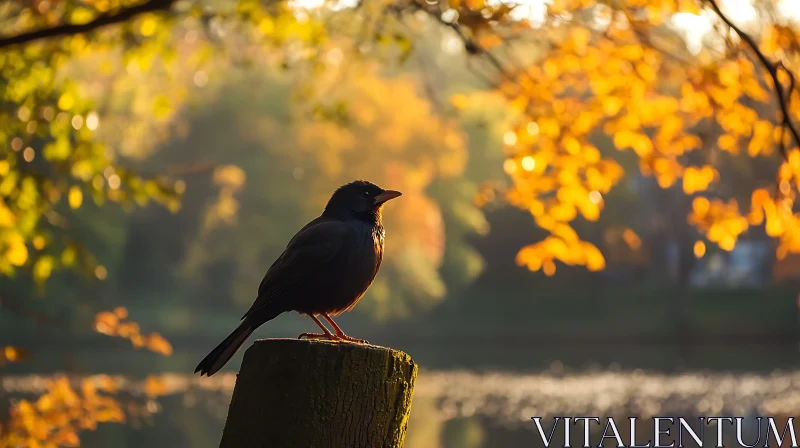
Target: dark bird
point(326, 268)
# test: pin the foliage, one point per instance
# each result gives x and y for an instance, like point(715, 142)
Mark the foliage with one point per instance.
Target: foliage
point(52, 161)
point(10, 353)
point(115, 324)
point(56, 93)
point(59, 414)
point(623, 70)
point(56, 417)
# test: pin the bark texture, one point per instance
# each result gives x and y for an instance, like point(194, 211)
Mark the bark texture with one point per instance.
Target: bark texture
point(317, 394)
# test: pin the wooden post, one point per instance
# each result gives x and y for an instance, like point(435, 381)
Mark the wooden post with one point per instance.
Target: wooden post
point(300, 393)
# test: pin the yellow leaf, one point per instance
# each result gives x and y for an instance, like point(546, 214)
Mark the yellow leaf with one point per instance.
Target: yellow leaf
point(81, 16)
point(156, 343)
point(7, 217)
point(490, 41)
point(459, 101)
point(17, 252)
point(148, 26)
point(572, 145)
point(728, 74)
point(549, 127)
point(13, 353)
point(121, 312)
point(75, 197)
point(39, 242)
point(632, 239)
point(774, 227)
point(68, 256)
point(44, 403)
point(699, 249)
point(162, 107)
point(594, 258)
point(155, 386)
point(549, 268)
point(612, 105)
point(110, 414)
point(43, 268)
point(727, 243)
point(727, 142)
point(266, 26)
point(106, 323)
point(229, 175)
point(66, 101)
point(701, 205)
point(642, 145)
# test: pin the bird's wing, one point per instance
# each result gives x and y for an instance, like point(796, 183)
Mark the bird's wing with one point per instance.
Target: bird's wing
point(311, 249)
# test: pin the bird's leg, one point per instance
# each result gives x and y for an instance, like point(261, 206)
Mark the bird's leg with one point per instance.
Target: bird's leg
point(326, 334)
point(339, 333)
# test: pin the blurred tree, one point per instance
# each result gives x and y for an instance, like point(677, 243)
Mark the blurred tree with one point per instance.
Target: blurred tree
point(56, 90)
point(310, 151)
point(416, 148)
point(624, 70)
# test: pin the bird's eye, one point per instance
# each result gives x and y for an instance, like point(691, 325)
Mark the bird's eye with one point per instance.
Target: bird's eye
point(365, 193)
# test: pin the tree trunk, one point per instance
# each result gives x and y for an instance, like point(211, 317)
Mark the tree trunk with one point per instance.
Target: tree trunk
point(298, 393)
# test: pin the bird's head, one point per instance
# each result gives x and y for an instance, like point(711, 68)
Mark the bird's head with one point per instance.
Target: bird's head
point(360, 200)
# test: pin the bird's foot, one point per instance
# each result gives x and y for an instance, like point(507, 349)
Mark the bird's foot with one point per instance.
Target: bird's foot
point(347, 338)
point(328, 336)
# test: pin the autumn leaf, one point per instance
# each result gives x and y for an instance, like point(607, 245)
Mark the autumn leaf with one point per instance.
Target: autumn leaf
point(155, 386)
point(115, 323)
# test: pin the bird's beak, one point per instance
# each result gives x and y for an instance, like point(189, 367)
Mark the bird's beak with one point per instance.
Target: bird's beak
point(386, 196)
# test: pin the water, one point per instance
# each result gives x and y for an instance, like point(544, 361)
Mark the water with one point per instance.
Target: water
point(461, 402)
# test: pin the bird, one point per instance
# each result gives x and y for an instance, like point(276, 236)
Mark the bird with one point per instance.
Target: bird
point(324, 271)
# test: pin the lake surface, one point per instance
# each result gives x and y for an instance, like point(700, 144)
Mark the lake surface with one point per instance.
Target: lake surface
point(486, 404)
point(479, 406)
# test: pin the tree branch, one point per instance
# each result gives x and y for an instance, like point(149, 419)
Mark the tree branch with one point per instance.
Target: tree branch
point(109, 18)
point(470, 45)
point(784, 97)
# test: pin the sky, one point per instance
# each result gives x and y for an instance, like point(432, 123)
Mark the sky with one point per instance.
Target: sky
point(741, 12)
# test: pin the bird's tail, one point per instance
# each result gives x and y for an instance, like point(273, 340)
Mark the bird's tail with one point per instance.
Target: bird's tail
point(226, 349)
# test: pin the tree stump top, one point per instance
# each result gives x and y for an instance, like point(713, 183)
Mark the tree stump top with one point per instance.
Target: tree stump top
point(317, 393)
point(325, 345)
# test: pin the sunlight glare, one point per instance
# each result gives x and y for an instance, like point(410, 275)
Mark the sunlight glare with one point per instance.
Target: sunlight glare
point(92, 121)
point(790, 10)
point(510, 138)
point(28, 154)
point(695, 27)
point(509, 166)
point(534, 11)
point(692, 28)
point(310, 5)
point(528, 163)
point(450, 16)
point(451, 44)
